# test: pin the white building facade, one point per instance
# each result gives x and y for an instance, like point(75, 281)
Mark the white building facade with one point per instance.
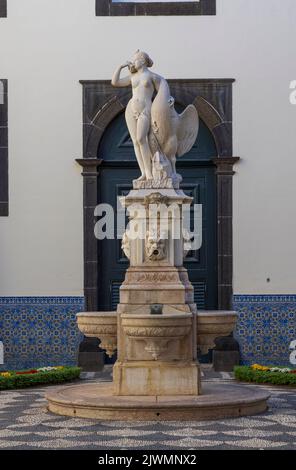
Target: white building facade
point(234, 60)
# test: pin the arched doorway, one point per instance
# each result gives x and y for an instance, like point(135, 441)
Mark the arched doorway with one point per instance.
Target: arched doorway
point(117, 170)
point(102, 104)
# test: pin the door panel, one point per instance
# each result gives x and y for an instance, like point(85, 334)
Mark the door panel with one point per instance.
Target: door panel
point(199, 183)
point(113, 264)
point(116, 174)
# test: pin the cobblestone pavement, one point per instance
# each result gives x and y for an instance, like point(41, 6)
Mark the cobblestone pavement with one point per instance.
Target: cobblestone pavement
point(25, 423)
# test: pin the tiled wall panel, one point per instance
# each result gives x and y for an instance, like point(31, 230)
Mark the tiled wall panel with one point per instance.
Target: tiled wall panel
point(266, 327)
point(39, 331)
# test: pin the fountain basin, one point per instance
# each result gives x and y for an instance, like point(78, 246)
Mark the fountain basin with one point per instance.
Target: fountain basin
point(211, 324)
point(156, 331)
point(157, 325)
point(98, 401)
point(101, 325)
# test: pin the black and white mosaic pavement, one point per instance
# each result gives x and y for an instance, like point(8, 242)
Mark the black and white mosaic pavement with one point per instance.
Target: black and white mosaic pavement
point(25, 423)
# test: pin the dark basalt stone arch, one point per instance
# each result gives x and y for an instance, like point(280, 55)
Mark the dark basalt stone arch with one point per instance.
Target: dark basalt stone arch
point(213, 100)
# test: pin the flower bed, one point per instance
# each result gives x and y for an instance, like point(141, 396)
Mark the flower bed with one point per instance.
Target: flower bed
point(43, 375)
point(263, 374)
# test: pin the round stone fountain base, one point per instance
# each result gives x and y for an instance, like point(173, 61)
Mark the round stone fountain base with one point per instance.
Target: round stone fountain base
point(97, 401)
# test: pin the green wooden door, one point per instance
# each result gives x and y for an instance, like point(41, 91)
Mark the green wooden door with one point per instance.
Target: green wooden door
point(118, 170)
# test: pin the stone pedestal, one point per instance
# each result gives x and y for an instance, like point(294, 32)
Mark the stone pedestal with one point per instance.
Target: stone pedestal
point(90, 358)
point(156, 353)
point(224, 361)
point(226, 354)
point(156, 379)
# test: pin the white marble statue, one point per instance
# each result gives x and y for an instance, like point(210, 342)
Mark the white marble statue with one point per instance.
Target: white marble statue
point(158, 132)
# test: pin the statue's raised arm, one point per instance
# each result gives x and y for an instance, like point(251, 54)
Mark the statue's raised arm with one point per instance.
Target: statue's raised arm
point(121, 82)
point(158, 132)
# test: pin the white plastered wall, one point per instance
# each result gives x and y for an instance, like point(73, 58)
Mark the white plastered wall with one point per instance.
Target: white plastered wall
point(47, 46)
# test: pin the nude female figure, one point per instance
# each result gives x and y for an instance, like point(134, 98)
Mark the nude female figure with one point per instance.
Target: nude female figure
point(138, 112)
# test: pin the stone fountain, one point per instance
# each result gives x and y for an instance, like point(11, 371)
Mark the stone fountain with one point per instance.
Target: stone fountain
point(156, 329)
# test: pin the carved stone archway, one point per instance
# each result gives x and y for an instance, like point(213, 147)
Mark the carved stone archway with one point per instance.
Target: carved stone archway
point(213, 100)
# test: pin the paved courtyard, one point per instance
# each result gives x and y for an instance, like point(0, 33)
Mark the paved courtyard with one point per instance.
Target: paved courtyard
point(25, 423)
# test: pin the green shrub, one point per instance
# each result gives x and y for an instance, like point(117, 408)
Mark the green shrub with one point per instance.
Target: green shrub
point(48, 377)
point(247, 374)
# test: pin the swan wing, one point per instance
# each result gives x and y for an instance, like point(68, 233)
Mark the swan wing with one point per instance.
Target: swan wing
point(187, 130)
point(164, 121)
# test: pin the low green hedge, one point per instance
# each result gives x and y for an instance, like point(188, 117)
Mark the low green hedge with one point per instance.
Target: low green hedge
point(39, 378)
point(247, 374)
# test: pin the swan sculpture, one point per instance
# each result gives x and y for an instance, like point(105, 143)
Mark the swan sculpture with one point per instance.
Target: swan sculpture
point(158, 132)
